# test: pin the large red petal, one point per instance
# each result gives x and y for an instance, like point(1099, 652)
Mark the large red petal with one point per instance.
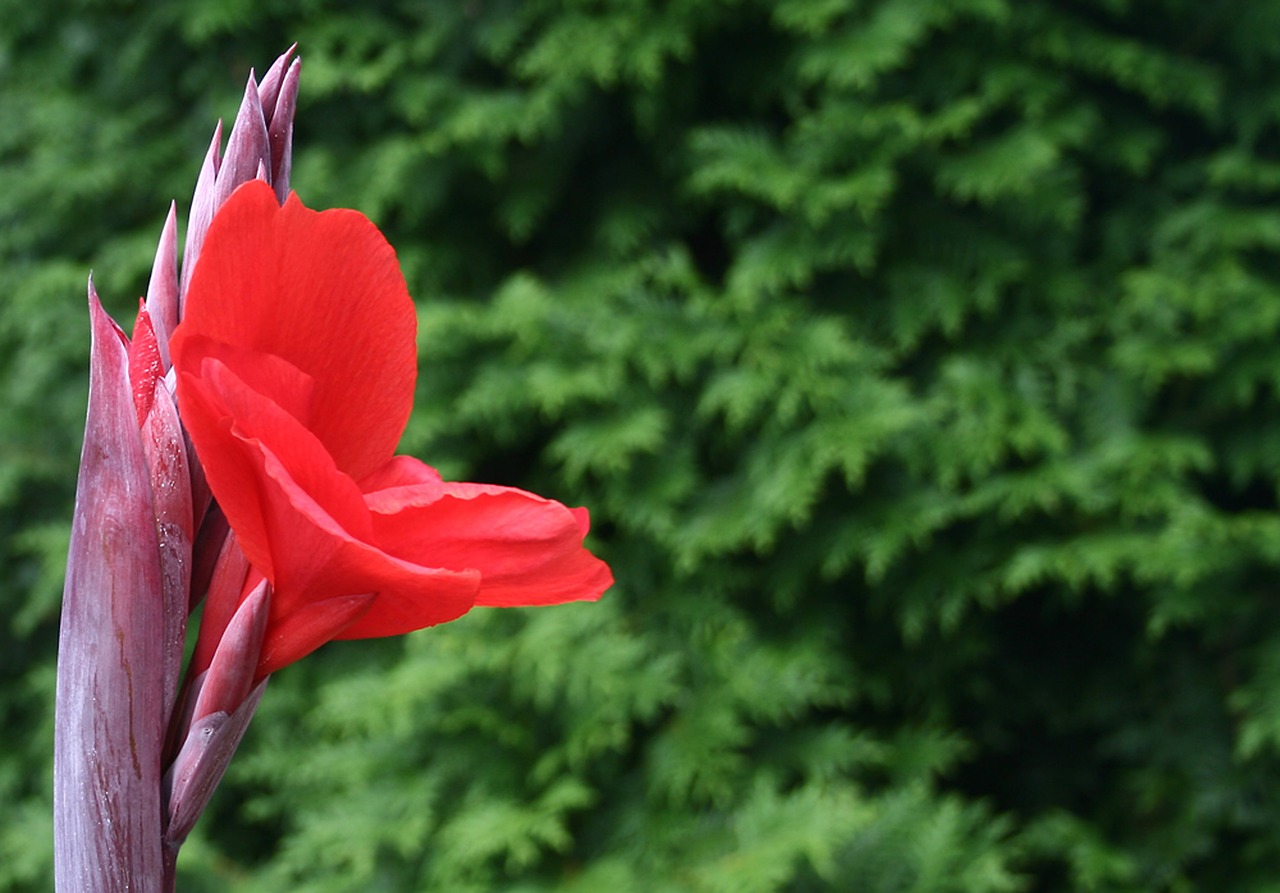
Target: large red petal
point(527, 549)
point(302, 521)
point(323, 290)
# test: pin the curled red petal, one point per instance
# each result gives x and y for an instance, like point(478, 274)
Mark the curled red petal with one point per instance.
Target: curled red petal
point(317, 557)
point(528, 550)
point(267, 469)
point(290, 389)
point(304, 523)
point(323, 291)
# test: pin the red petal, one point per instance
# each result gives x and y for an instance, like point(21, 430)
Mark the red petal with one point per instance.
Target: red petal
point(401, 471)
point(316, 557)
point(294, 637)
point(145, 366)
point(322, 290)
point(303, 522)
point(217, 408)
point(528, 550)
point(288, 387)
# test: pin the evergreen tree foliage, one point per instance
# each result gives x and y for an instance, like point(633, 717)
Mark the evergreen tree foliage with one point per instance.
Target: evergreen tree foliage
point(918, 360)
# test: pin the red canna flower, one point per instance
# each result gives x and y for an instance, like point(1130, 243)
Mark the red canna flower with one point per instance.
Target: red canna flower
point(296, 362)
point(269, 487)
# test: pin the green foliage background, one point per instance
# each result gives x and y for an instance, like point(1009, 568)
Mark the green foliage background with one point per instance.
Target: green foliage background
point(917, 359)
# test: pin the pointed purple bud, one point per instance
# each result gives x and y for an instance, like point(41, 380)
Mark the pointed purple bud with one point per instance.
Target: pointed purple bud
point(280, 129)
point(213, 717)
point(199, 767)
point(248, 147)
point(261, 139)
point(211, 539)
point(201, 495)
point(203, 204)
point(269, 88)
point(110, 707)
point(235, 661)
point(227, 582)
point(162, 291)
